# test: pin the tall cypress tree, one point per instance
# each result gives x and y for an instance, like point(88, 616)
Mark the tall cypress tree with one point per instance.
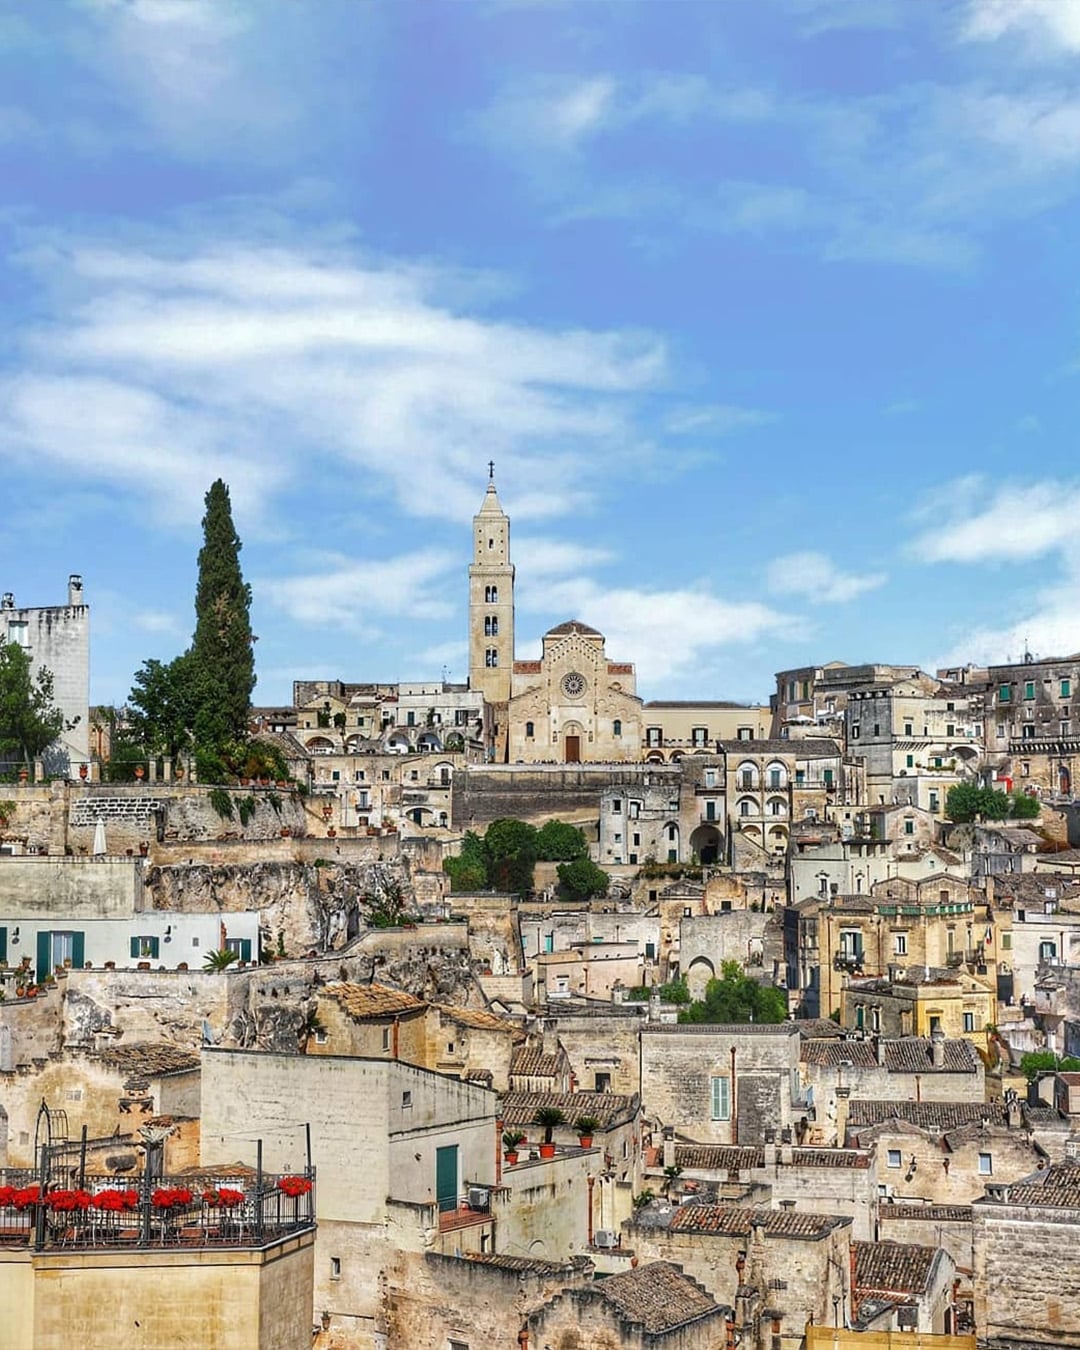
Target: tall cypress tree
point(222, 655)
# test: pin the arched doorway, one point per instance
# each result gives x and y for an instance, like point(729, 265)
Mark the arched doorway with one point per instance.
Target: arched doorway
point(698, 975)
point(705, 842)
point(572, 739)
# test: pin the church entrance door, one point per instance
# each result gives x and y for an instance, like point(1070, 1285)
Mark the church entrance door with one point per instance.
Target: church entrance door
point(573, 749)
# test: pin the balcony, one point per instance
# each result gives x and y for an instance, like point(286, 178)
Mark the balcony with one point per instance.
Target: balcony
point(132, 1214)
point(852, 962)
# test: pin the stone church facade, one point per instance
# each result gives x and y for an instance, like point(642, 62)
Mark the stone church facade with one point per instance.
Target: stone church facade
point(573, 706)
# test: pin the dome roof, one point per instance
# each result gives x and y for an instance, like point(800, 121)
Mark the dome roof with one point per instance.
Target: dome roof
point(573, 626)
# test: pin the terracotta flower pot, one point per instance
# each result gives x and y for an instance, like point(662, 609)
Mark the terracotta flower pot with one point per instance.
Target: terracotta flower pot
point(547, 1150)
point(511, 1157)
point(585, 1140)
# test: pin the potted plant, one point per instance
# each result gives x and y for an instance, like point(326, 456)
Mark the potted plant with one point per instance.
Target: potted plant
point(586, 1127)
point(548, 1117)
point(512, 1140)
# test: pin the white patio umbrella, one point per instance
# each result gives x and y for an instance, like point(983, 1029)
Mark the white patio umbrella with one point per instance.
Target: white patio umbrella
point(99, 839)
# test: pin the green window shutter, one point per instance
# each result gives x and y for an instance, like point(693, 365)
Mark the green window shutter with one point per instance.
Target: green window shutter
point(43, 967)
point(245, 949)
point(154, 947)
point(78, 951)
point(134, 948)
point(3, 944)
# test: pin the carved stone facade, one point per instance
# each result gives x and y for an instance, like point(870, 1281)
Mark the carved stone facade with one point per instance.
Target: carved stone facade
point(574, 705)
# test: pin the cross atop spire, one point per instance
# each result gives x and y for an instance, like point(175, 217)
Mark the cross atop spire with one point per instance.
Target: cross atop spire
point(491, 470)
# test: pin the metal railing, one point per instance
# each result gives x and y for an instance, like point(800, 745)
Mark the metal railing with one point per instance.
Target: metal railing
point(106, 1211)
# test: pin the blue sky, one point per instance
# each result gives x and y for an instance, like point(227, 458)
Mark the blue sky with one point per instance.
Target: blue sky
point(767, 313)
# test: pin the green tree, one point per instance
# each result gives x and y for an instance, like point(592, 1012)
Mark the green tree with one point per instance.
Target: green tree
point(29, 720)
point(161, 706)
point(737, 998)
point(468, 871)
point(967, 802)
point(1037, 1062)
point(1024, 807)
point(510, 848)
point(222, 653)
point(557, 841)
point(582, 879)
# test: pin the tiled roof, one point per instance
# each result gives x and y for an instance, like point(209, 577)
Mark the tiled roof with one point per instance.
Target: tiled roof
point(150, 1059)
point(734, 1222)
point(818, 1028)
point(909, 1054)
point(609, 1108)
point(720, 1029)
point(931, 1213)
point(893, 1267)
point(718, 1157)
point(925, 1115)
point(523, 1265)
point(478, 1018)
point(530, 1061)
point(658, 1296)
point(372, 1000)
point(573, 626)
point(620, 668)
point(808, 749)
point(527, 667)
point(830, 1157)
point(1057, 1186)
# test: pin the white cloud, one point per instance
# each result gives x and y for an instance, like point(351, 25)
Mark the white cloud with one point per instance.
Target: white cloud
point(166, 366)
point(157, 621)
point(1011, 522)
point(539, 557)
point(351, 592)
point(717, 419)
point(816, 578)
point(667, 633)
point(1046, 27)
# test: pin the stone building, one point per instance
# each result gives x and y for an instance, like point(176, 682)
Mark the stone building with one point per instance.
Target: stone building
point(838, 1073)
point(1033, 725)
point(676, 729)
point(722, 1084)
point(779, 1269)
point(903, 1286)
point(1027, 1265)
point(57, 638)
point(957, 1005)
point(816, 696)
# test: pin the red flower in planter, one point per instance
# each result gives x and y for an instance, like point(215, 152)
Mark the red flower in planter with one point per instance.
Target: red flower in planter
point(224, 1197)
point(29, 1195)
point(294, 1186)
point(67, 1202)
point(116, 1201)
point(7, 1196)
point(171, 1197)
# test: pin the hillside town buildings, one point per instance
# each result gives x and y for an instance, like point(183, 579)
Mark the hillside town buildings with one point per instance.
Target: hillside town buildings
point(359, 1109)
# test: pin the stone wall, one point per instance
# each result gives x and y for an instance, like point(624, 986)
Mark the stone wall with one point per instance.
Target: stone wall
point(707, 941)
point(1027, 1273)
point(133, 1006)
point(931, 1226)
point(97, 888)
point(602, 1043)
point(483, 793)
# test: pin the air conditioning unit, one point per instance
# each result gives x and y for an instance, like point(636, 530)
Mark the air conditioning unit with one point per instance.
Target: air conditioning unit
point(479, 1197)
point(604, 1237)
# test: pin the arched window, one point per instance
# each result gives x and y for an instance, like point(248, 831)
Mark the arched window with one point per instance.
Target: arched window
point(491, 625)
point(530, 730)
point(746, 807)
point(617, 727)
point(491, 595)
point(491, 657)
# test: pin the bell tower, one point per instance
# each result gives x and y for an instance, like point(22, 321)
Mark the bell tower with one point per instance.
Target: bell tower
point(491, 601)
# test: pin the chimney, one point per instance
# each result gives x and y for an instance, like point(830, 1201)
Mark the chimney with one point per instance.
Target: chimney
point(879, 1051)
point(669, 1146)
point(843, 1095)
point(937, 1048)
point(7, 600)
point(75, 590)
point(1013, 1114)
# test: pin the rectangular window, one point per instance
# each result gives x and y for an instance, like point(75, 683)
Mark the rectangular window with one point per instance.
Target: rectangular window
point(900, 944)
point(986, 1165)
point(144, 947)
point(827, 775)
point(19, 633)
point(1066, 688)
point(1029, 689)
point(907, 728)
point(1004, 693)
point(241, 946)
point(854, 731)
point(616, 806)
point(1006, 942)
point(969, 1021)
point(637, 840)
point(909, 761)
point(699, 736)
point(385, 1039)
point(894, 1157)
point(909, 827)
point(933, 801)
point(406, 1101)
point(335, 1267)
point(720, 1106)
point(950, 729)
point(710, 777)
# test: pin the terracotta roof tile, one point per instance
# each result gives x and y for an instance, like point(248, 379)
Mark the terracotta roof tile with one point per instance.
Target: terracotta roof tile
point(718, 1157)
point(931, 1213)
point(735, 1222)
point(372, 1000)
point(530, 1061)
point(925, 1115)
point(893, 1267)
point(523, 1265)
point(478, 1018)
point(518, 1108)
point(150, 1059)
point(658, 1296)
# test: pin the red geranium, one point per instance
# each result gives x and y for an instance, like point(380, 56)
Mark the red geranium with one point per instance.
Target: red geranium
point(171, 1197)
point(225, 1197)
point(66, 1202)
point(294, 1186)
point(29, 1195)
point(116, 1201)
point(7, 1196)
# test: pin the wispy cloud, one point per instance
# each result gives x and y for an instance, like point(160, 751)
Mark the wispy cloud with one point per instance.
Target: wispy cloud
point(639, 623)
point(815, 577)
point(357, 593)
point(1046, 28)
point(974, 522)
